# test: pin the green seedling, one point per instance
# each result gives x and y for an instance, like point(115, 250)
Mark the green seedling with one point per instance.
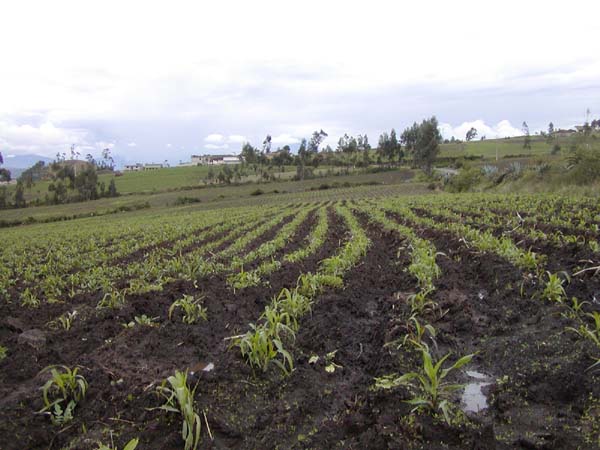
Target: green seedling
point(554, 290)
point(261, 348)
point(131, 445)
point(3, 352)
point(193, 310)
point(62, 392)
point(180, 399)
point(433, 393)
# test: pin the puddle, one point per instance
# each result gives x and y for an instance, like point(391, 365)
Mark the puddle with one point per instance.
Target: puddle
point(473, 399)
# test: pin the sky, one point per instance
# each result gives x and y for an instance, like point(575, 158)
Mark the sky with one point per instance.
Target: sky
point(157, 81)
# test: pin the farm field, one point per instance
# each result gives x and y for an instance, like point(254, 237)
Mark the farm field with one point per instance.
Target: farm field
point(218, 196)
point(318, 320)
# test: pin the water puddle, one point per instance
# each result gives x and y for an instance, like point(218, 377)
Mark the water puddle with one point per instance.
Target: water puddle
point(473, 399)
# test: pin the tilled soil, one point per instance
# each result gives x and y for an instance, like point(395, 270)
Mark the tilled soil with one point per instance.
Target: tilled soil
point(538, 396)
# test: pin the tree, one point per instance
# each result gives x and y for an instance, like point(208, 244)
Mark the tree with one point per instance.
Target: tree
point(249, 153)
point(550, 128)
point(86, 183)
point(4, 174)
point(3, 197)
point(409, 137)
point(427, 145)
point(20, 196)
point(112, 189)
point(316, 140)
point(527, 140)
point(471, 134)
point(107, 160)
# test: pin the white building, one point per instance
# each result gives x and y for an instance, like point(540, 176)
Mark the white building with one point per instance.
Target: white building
point(210, 160)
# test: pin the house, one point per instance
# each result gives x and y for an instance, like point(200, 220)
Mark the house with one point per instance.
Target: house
point(153, 166)
point(210, 160)
point(133, 167)
point(138, 167)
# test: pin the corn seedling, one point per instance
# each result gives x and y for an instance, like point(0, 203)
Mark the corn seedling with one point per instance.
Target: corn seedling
point(554, 290)
point(65, 321)
point(193, 310)
point(29, 299)
point(419, 302)
point(180, 399)
point(113, 299)
point(131, 445)
point(416, 334)
point(62, 392)
point(243, 279)
point(142, 320)
point(3, 352)
point(432, 391)
point(261, 348)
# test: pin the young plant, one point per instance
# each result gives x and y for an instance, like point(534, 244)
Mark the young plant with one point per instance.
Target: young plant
point(243, 279)
point(261, 348)
point(590, 332)
point(416, 333)
point(62, 392)
point(554, 290)
point(66, 320)
point(180, 399)
point(29, 299)
point(131, 445)
point(432, 391)
point(3, 352)
point(113, 299)
point(142, 320)
point(419, 302)
point(193, 310)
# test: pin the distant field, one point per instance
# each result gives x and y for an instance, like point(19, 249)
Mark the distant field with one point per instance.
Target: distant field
point(210, 195)
point(503, 147)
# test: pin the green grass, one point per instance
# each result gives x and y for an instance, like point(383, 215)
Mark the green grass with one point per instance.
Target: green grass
point(225, 196)
point(505, 147)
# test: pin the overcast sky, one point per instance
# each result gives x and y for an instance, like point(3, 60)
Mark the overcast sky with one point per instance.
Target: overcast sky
point(163, 80)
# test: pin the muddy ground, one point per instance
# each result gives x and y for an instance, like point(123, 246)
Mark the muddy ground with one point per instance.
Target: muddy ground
point(538, 393)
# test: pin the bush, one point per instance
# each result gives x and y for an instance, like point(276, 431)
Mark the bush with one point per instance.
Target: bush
point(257, 192)
point(466, 180)
point(584, 166)
point(186, 200)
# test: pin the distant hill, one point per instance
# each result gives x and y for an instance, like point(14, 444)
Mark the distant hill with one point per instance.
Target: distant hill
point(18, 163)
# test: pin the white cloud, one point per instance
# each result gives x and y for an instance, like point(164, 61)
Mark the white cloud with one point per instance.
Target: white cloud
point(216, 147)
point(132, 144)
point(500, 130)
point(45, 139)
point(168, 145)
point(236, 139)
point(285, 139)
point(214, 138)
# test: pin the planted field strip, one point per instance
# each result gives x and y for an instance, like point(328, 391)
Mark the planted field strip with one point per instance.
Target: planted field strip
point(422, 252)
point(265, 343)
point(484, 241)
point(244, 278)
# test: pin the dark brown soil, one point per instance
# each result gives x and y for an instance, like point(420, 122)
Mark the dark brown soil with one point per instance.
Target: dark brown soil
point(539, 397)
